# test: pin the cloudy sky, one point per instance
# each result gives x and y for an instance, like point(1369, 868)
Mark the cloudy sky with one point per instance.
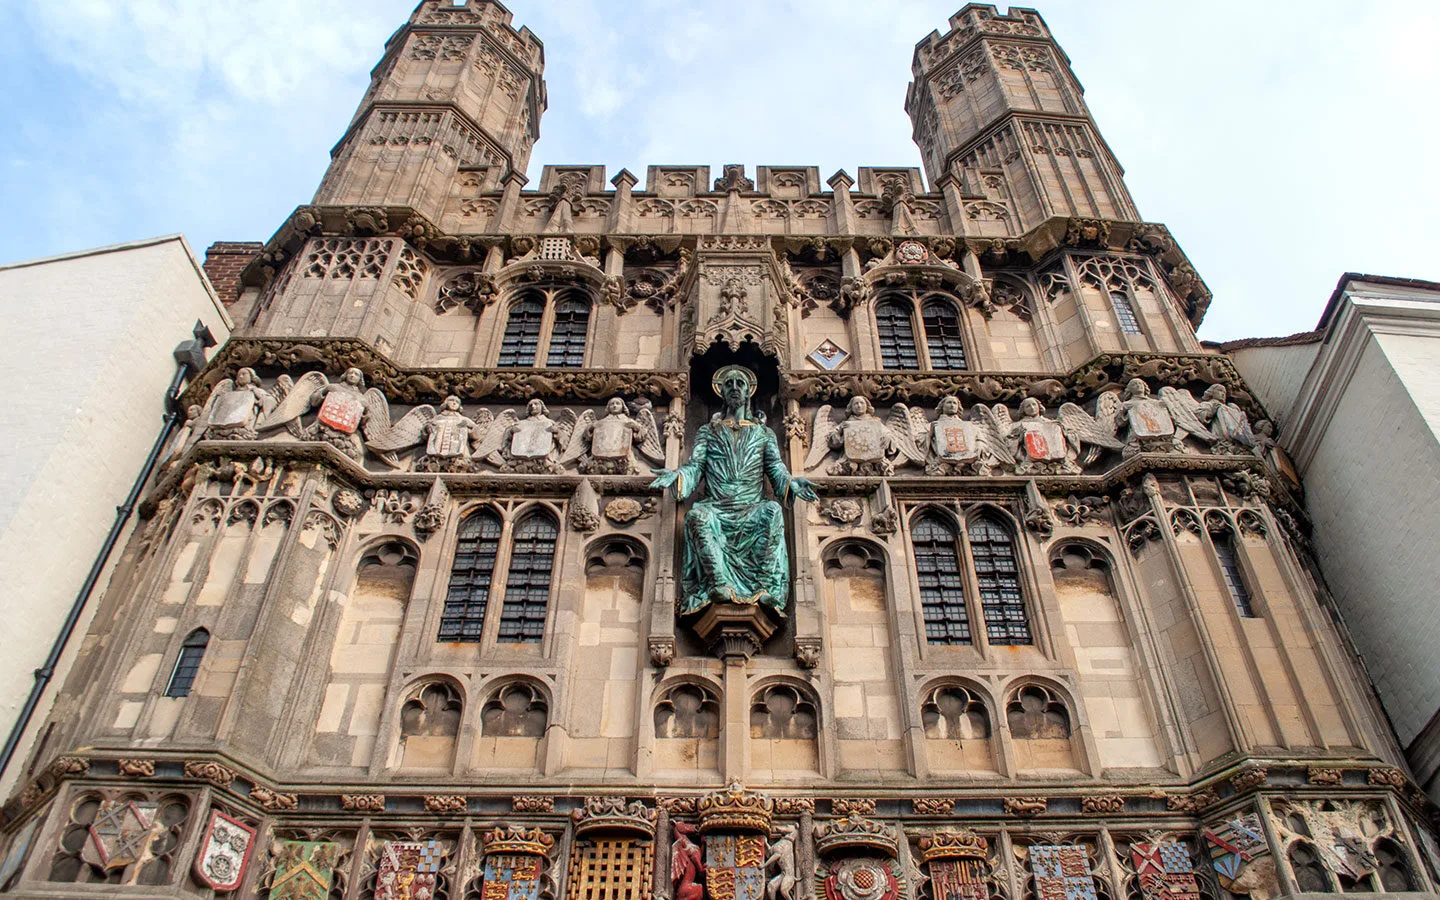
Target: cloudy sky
point(1282, 142)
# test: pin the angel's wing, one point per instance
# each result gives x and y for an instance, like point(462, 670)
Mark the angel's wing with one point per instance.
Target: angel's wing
point(1082, 428)
point(650, 444)
point(283, 385)
point(407, 432)
point(1107, 412)
point(919, 425)
point(575, 446)
point(296, 402)
point(489, 434)
point(564, 427)
point(202, 422)
point(900, 426)
point(996, 431)
point(1183, 408)
point(820, 430)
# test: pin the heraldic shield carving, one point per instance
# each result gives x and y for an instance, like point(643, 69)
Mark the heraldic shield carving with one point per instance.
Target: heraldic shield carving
point(1165, 870)
point(735, 866)
point(408, 870)
point(512, 876)
point(224, 852)
point(861, 878)
point(956, 860)
point(1062, 872)
point(1235, 843)
point(120, 834)
point(304, 870)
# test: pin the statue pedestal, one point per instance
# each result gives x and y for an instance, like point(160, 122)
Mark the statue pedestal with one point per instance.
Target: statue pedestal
point(735, 630)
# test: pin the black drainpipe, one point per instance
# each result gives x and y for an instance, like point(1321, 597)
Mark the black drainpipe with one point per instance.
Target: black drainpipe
point(189, 359)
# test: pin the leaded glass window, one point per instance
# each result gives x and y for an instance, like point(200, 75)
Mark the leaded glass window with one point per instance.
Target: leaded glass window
point(942, 590)
point(942, 335)
point(522, 332)
point(187, 665)
point(1125, 313)
point(1234, 578)
point(463, 618)
point(896, 331)
point(527, 587)
point(997, 575)
point(567, 335)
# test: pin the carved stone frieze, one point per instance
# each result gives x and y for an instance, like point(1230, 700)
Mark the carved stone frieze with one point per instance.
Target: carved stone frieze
point(136, 768)
point(530, 803)
point(210, 771)
point(451, 804)
point(362, 802)
point(1025, 806)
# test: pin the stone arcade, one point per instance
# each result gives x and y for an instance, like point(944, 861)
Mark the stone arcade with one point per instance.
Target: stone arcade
point(1002, 589)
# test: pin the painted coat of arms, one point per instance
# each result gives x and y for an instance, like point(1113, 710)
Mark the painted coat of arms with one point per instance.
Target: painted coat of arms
point(304, 870)
point(341, 410)
point(1165, 870)
point(120, 834)
point(1062, 872)
point(408, 870)
point(958, 879)
point(1234, 843)
point(224, 852)
point(861, 878)
point(734, 866)
point(512, 876)
point(1043, 439)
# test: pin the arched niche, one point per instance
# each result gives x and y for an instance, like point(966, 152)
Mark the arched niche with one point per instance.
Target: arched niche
point(430, 719)
point(959, 729)
point(363, 653)
point(686, 719)
point(607, 646)
point(513, 719)
point(1042, 729)
point(1105, 658)
point(784, 732)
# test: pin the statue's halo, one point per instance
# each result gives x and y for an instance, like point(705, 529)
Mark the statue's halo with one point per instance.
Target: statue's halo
point(749, 376)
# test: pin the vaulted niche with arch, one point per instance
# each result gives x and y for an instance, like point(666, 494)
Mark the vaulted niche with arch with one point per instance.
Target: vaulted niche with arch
point(1041, 730)
point(607, 649)
point(958, 730)
point(867, 706)
point(1105, 659)
point(687, 731)
point(430, 726)
point(784, 733)
point(512, 727)
point(362, 655)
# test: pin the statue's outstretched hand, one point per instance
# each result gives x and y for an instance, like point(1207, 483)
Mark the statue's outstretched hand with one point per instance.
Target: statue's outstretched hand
point(665, 478)
point(803, 489)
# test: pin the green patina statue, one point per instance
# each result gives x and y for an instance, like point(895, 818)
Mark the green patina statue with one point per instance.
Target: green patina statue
point(734, 548)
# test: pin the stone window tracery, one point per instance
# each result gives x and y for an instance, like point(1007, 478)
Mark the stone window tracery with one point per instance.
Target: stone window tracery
point(920, 330)
point(1035, 713)
point(953, 713)
point(782, 712)
point(688, 711)
point(942, 588)
point(550, 323)
point(187, 664)
point(516, 710)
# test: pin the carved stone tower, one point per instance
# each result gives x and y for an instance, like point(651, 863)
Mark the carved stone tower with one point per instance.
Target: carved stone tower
point(995, 105)
point(458, 91)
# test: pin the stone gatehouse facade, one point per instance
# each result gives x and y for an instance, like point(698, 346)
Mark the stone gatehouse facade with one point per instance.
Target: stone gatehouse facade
point(404, 619)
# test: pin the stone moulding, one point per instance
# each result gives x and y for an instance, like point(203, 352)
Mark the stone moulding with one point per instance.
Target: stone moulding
point(1055, 233)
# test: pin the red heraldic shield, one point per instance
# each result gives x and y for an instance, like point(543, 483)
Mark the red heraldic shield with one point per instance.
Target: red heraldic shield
point(341, 410)
point(224, 852)
point(1165, 871)
point(958, 879)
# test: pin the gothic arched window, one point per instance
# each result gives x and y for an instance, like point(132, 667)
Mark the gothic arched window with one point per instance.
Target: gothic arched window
point(1234, 577)
point(567, 335)
point(897, 335)
point(920, 330)
point(527, 587)
point(942, 334)
point(463, 618)
point(942, 589)
point(547, 323)
point(997, 575)
point(187, 664)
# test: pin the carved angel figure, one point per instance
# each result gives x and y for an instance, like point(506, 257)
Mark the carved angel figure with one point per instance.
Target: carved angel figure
point(781, 885)
point(232, 410)
point(605, 445)
point(974, 445)
point(868, 445)
point(347, 412)
point(1227, 421)
point(1160, 425)
point(531, 445)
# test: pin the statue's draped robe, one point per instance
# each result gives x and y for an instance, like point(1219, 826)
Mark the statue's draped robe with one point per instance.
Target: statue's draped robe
point(734, 537)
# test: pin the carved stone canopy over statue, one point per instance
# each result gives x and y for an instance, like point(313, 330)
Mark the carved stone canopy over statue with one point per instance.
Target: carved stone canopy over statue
point(734, 548)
